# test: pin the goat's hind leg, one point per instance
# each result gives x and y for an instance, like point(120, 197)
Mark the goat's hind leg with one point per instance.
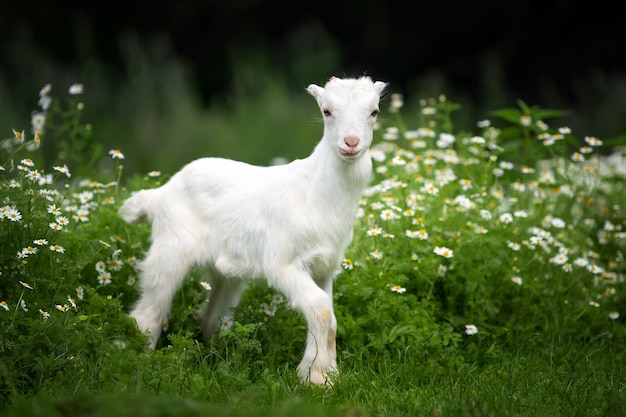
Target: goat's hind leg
point(162, 272)
point(224, 296)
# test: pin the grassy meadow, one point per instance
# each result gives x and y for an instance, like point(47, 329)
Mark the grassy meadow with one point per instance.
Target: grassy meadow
point(486, 274)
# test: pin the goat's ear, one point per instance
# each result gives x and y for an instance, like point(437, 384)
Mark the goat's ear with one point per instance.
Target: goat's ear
point(315, 90)
point(379, 86)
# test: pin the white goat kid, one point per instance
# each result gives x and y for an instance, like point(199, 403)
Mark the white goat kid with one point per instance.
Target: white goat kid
point(289, 224)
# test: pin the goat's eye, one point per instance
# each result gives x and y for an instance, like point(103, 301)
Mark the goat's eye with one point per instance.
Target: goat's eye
point(327, 113)
point(374, 113)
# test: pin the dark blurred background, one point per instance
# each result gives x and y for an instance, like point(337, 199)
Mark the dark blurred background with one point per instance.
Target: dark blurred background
point(226, 77)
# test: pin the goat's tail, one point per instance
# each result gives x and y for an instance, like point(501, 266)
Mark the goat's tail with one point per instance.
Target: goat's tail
point(138, 207)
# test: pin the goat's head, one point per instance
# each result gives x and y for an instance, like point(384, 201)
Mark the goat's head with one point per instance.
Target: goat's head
point(349, 108)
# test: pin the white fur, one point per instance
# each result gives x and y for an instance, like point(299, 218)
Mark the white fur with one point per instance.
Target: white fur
point(289, 224)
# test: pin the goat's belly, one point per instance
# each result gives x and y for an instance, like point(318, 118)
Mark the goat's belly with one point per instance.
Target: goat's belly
point(231, 266)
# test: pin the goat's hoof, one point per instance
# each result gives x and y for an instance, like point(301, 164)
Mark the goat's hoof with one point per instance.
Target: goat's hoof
point(317, 377)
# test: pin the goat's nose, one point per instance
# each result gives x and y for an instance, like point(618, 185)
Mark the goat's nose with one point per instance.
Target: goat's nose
point(351, 140)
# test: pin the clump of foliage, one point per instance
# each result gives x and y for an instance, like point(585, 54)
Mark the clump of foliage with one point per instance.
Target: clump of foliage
point(467, 247)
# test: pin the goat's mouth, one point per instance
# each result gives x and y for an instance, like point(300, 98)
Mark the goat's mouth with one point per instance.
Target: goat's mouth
point(349, 153)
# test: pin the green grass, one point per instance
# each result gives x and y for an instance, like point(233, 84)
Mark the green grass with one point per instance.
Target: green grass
point(515, 229)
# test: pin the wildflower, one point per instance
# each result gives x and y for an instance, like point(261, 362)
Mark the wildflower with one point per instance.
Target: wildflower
point(613, 315)
point(270, 309)
point(581, 262)
point(55, 226)
point(62, 220)
point(441, 270)
point(470, 329)
point(578, 157)
point(154, 174)
point(375, 231)
point(62, 308)
point(430, 188)
point(44, 314)
point(485, 214)
point(131, 280)
point(23, 305)
point(45, 90)
point(71, 301)
point(63, 169)
point(115, 264)
point(4, 305)
point(388, 215)
point(33, 175)
point(593, 141)
point(100, 266)
point(347, 264)
point(26, 285)
point(205, 285)
point(104, 278)
point(116, 154)
point(277, 299)
point(558, 223)
point(517, 280)
point(226, 323)
point(53, 209)
point(398, 289)
point(520, 213)
point(376, 254)
point(480, 230)
point(45, 179)
point(85, 196)
point(391, 133)
point(525, 120)
point(197, 314)
point(396, 102)
point(514, 246)
point(465, 184)
point(594, 304)
point(506, 218)
point(429, 111)
point(29, 250)
point(419, 234)
point(80, 292)
point(38, 121)
point(445, 140)
point(397, 161)
point(443, 251)
point(76, 89)
point(57, 248)
point(12, 214)
point(19, 136)
point(483, 123)
point(82, 215)
point(44, 102)
point(595, 269)
point(478, 140)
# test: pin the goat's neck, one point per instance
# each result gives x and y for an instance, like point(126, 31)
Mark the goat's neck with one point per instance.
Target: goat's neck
point(343, 180)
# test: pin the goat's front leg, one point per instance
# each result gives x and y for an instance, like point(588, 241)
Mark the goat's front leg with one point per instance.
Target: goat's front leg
point(320, 357)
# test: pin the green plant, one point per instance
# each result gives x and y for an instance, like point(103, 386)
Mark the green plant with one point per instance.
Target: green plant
point(477, 282)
